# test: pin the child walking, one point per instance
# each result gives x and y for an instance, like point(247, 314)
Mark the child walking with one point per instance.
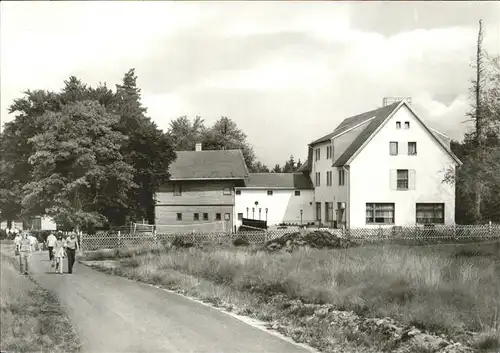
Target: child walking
point(59, 253)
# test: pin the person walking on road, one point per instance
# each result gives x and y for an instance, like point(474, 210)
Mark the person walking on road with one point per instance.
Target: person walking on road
point(25, 250)
point(51, 240)
point(17, 239)
point(71, 248)
point(34, 242)
point(58, 255)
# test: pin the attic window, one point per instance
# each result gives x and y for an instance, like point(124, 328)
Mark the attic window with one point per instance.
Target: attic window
point(177, 190)
point(297, 192)
point(407, 124)
point(270, 192)
point(227, 191)
point(398, 124)
point(238, 192)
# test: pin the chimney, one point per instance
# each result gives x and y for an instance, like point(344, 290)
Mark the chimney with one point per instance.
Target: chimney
point(390, 100)
point(198, 147)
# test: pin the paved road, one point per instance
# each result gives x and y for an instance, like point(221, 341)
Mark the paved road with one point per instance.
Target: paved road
point(113, 314)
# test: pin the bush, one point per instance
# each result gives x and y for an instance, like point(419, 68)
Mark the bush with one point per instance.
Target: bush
point(241, 241)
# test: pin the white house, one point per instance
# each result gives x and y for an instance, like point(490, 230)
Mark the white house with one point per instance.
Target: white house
point(384, 167)
point(39, 223)
point(276, 198)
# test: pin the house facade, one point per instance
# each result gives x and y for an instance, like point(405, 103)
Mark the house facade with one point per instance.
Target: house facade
point(36, 223)
point(383, 168)
point(200, 193)
point(276, 198)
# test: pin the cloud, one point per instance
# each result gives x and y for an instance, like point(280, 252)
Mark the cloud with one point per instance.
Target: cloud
point(285, 72)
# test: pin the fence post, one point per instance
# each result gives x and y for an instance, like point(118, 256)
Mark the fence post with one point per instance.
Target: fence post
point(119, 239)
point(489, 229)
point(193, 238)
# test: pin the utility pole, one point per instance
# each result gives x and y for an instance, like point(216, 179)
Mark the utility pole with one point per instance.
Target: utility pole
point(478, 115)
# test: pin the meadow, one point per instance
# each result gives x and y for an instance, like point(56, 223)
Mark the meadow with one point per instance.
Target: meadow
point(451, 290)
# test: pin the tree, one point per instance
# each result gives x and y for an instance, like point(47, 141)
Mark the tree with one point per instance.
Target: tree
point(276, 169)
point(148, 150)
point(289, 166)
point(184, 134)
point(15, 149)
point(225, 135)
point(258, 167)
point(78, 169)
point(477, 181)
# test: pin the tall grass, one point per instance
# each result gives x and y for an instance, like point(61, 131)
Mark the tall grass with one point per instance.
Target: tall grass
point(428, 287)
point(30, 317)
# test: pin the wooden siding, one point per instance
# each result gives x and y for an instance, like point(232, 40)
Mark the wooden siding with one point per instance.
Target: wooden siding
point(197, 192)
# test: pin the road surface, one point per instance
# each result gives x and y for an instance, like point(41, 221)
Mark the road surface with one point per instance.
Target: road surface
point(113, 314)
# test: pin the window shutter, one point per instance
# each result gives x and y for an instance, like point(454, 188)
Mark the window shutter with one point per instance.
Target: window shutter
point(393, 179)
point(403, 150)
point(412, 182)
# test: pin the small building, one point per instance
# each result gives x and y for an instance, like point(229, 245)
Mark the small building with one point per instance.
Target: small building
point(35, 223)
point(276, 198)
point(382, 168)
point(200, 193)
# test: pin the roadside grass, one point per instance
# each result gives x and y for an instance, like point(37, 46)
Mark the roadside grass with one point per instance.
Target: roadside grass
point(445, 289)
point(31, 319)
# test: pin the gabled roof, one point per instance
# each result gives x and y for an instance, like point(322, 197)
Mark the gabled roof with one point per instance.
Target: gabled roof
point(279, 180)
point(381, 116)
point(349, 123)
point(209, 164)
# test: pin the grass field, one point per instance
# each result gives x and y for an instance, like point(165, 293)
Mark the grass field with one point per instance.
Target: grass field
point(446, 289)
point(30, 317)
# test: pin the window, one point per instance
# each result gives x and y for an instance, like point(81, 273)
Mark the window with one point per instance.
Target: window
point(227, 216)
point(407, 124)
point(240, 216)
point(430, 213)
point(318, 179)
point(238, 192)
point(393, 148)
point(179, 216)
point(269, 192)
point(341, 176)
point(328, 178)
point(317, 153)
point(412, 148)
point(398, 124)
point(297, 192)
point(177, 190)
point(318, 211)
point(227, 191)
point(328, 152)
point(196, 216)
point(205, 216)
point(217, 216)
point(379, 213)
point(402, 179)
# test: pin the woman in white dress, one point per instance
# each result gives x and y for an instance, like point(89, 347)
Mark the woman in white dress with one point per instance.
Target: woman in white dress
point(59, 253)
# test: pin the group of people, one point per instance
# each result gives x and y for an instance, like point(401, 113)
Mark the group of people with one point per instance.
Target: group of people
point(59, 248)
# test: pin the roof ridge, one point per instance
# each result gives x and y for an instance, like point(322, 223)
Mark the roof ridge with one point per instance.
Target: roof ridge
point(370, 114)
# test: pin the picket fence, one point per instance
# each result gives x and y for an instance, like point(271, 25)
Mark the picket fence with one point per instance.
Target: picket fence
point(403, 235)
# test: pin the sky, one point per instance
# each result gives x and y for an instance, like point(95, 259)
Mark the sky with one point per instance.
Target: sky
point(285, 72)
